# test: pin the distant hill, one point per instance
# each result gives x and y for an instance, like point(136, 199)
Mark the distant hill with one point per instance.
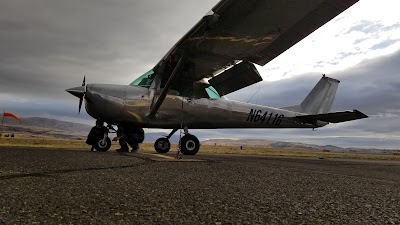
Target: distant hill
point(283, 145)
point(269, 144)
point(262, 143)
point(44, 127)
point(47, 123)
point(37, 126)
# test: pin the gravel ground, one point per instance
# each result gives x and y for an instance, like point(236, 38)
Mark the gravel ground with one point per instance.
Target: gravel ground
point(39, 186)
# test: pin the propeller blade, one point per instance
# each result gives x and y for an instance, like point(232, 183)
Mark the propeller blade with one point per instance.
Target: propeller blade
point(79, 92)
point(80, 105)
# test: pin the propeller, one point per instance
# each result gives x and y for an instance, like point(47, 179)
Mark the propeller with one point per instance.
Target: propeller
point(79, 92)
point(81, 98)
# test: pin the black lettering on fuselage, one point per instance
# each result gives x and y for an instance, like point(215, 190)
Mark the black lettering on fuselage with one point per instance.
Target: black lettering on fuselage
point(251, 115)
point(271, 119)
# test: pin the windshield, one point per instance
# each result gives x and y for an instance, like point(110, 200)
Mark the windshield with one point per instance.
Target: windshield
point(212, 93)
point(145, 80)
point(179, 88)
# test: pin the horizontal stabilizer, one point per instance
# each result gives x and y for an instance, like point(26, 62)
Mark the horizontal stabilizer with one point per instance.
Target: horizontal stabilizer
point(336, 117)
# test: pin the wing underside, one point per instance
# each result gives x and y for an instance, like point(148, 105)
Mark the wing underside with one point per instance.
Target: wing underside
point(247, 31)
point(253, 30)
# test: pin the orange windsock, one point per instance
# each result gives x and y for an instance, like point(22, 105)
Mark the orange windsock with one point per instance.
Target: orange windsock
point(10, 115)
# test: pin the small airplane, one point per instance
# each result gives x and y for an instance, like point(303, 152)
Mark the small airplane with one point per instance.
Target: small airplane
point(186, 89)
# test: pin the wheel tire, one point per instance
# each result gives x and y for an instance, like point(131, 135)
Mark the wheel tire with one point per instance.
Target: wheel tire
point(103, 146)
point(162, 145)
point(189, 144)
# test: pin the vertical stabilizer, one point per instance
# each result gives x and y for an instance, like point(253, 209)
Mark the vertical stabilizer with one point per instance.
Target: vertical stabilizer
point(320, 99)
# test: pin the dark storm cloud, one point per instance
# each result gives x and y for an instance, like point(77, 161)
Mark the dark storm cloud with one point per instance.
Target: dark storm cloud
point(49, 45)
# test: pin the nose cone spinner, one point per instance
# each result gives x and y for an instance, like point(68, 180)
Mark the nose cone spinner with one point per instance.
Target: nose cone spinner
point(78, 92)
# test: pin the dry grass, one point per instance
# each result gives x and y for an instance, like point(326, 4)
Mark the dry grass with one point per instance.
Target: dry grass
point(298, 153)
point(56, 143)
point(79, 144)
point(43, 143)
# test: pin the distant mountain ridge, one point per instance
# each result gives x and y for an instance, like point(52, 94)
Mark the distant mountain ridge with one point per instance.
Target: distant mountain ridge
point(45, 127)
point(39, 126)
point(262, 143)
point(281, 145)
point(47, 123)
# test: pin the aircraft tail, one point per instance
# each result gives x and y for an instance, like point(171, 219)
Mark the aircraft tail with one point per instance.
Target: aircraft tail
point(320, 99)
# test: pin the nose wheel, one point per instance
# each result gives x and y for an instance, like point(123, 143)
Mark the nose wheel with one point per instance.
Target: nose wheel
point(103, 144)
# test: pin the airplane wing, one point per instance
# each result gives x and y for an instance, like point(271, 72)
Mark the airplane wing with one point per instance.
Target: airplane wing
point(237, 32)
point(336, 117)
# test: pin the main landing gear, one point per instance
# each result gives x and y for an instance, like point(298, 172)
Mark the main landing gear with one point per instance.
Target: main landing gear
point(189, 144)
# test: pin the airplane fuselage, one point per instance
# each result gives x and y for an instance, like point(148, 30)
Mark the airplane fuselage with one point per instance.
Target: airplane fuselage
point(119, 103)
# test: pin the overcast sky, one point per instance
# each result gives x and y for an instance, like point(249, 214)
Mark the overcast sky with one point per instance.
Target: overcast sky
point(47, 46)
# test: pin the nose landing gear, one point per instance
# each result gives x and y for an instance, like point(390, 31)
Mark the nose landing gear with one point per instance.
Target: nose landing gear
point(103, 144)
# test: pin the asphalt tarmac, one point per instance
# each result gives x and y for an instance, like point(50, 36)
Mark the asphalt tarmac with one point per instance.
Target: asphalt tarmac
point(39, 186)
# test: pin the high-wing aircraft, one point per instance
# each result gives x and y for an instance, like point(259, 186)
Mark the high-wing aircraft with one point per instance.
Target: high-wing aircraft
point(186, 89)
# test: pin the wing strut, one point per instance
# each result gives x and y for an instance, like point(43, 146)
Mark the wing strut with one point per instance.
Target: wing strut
point(154, 108)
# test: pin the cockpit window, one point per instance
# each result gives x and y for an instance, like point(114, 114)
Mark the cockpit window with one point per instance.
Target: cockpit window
point(145, 80)
point(183, 88)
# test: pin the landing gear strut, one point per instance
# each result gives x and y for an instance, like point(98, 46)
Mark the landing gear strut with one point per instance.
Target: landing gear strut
point(189, 144)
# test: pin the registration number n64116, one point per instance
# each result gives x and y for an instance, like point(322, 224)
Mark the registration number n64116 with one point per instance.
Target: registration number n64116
point(264, 117)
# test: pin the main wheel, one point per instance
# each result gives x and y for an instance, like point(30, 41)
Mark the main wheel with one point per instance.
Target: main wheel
point(162, 145)
point(103, 146)
point(189, 144)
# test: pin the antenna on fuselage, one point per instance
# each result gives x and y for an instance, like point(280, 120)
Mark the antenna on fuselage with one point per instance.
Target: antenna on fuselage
point(254, 95)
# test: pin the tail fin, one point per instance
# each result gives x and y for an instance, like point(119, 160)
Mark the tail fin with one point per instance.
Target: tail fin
point(320, 99)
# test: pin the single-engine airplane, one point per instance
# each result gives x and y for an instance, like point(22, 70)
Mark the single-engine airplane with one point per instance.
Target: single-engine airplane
point(186, 89)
